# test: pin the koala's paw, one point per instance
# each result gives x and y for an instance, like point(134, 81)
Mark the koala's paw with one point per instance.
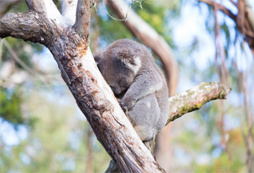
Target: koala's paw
point(123, 106)
point(126, 104)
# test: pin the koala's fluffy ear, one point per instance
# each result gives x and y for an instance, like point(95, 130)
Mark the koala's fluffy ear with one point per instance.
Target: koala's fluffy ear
point(129, 60)
point(97, 59)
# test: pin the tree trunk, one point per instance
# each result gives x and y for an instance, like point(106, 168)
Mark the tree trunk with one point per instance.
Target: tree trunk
point(69, 45)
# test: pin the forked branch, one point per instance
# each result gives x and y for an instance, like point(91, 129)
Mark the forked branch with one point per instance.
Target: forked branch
point(69, 8)
point(48, 9)
point(83, 16)
point(79, 71)
point(30, 26)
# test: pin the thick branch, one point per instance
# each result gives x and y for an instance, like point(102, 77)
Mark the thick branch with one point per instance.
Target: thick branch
point(93, 95)
point(30, 26)
point(96, 100)
point(5, 6)
point(195, 98)
point(48, 9)
point(69, 8)
point(83, 16)
point(149, 37)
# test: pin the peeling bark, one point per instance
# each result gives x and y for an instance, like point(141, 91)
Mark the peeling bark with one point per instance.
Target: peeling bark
point(83, 16)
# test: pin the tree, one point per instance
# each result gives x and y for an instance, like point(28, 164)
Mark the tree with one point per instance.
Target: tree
point(68, 41)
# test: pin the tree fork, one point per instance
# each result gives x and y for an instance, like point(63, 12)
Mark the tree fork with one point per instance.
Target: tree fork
point(44, 24)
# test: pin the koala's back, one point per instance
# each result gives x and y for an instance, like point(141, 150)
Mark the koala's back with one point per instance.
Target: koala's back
point(151, 112)
point(162, 98)
point(149, 88)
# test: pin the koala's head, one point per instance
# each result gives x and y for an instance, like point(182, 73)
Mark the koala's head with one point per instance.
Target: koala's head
point(119, 68)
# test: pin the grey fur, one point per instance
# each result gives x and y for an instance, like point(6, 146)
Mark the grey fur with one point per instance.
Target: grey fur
point(130, 70)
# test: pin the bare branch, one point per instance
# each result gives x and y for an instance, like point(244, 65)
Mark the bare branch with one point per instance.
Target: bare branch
point(250, 14)
point(83, 16)
point(240, 17)
point(29, 26)
point(5, 5)
point(195, 98)
point(149, 37)
point(235, 4)
point(221, 8)
point(246, 27)
point(48, 9)
point(69, 8)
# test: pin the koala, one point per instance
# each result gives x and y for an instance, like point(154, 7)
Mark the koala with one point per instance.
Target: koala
point(139, 85)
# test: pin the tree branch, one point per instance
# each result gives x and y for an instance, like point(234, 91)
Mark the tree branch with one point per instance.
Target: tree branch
point(96, 100)
point(69, 8)
point(30, 26)
point(5, 6)
point(221, 8)
point(195, 98)
point(48, 9)
point(149, 37)
point(250, 14)
point(83, 16)
point(245, 24)
point(240, 17)
point(94, 97)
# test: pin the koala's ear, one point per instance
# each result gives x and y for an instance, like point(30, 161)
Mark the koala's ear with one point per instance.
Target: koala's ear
point(97, 59)
point(129, 60)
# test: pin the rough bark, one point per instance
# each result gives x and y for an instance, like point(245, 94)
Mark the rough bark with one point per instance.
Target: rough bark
point(83, 16)
point(78, 69)
point(48, 9)
point(84, 80)
point(149, 37)
point(30, 26)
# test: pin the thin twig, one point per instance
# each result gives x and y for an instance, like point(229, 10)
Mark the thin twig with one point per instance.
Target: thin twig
point(20, 62)
point(233, 3)
point(120, 20)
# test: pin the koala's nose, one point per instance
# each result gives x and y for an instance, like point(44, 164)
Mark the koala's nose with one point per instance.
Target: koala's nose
point(113, 89)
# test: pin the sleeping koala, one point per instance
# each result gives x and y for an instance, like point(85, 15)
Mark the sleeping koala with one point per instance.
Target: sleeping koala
point(139, 85)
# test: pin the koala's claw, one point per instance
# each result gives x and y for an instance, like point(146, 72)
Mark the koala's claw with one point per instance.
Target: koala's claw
point(124, 107)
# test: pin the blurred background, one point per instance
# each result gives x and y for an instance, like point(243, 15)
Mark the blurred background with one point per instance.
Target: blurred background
point(43, 130)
